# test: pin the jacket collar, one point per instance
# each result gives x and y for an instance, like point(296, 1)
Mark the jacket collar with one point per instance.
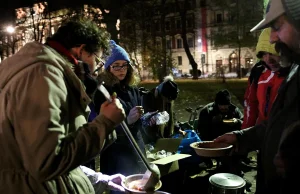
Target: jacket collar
point(293, 72)
point(63, 51)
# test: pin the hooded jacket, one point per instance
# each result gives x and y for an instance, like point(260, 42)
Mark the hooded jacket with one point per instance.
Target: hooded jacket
point(129, 97)
point(263, 84)
point(43, 132)
point(260, 94)
point(210, 122)
point(154, 101)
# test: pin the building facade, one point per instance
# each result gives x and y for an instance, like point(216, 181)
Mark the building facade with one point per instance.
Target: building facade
point(217, 33)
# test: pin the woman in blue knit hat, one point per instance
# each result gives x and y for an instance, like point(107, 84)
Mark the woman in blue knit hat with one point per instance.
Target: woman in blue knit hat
point(119, 77)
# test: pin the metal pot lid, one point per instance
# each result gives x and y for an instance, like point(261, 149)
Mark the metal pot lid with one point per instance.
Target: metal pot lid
point(227, 181)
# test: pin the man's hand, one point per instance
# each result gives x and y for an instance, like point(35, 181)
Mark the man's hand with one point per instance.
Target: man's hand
point(134, 114)
point(228, 138)
point(114, 182)
point(113, 110)
point(235, 120)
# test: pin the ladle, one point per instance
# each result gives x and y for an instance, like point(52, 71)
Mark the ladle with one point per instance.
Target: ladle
point(152, 175)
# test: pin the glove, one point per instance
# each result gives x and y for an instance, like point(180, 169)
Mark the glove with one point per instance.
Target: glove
point(114, 182)
point(101, 182)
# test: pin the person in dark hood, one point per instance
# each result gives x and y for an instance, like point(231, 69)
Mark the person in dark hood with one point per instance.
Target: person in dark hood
point(215, 119)
point(119, 77)
point(159, 99)
point(277, 137)
point(218, 117)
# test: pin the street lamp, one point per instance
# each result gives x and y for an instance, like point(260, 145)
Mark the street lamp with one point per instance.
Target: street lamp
point(10, 40)
point(10, 29)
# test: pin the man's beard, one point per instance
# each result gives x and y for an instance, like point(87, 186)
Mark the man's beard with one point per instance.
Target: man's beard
point(287, 56)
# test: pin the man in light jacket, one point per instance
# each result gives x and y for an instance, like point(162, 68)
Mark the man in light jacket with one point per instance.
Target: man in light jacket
point(44, 134)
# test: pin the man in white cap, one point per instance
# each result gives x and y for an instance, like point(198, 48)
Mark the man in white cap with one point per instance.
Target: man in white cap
point(273, 136)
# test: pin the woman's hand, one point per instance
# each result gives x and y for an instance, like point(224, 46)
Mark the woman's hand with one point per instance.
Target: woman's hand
point(134, 114)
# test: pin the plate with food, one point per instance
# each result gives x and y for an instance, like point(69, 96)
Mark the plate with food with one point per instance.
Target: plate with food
point(211, 148)
point(134, 184)
point(228, 120)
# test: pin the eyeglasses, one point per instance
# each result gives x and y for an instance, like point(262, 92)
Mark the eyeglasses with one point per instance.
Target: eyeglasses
point(119, 68)
point(98, 60)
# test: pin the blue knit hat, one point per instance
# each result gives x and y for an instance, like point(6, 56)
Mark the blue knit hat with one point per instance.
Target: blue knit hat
point(117, 53)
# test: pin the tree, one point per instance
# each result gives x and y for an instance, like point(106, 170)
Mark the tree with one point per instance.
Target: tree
point(133, 36)
point(233, 29)
point(183, 11)
point(139, 20)
point(33, 22)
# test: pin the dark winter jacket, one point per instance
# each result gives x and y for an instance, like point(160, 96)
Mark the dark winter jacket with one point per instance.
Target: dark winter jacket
point(120, 157)
point(152, 103)
point(210, 122)
point(268, 135)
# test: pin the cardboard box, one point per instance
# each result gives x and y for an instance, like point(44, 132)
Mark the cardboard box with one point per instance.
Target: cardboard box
point(170, 163)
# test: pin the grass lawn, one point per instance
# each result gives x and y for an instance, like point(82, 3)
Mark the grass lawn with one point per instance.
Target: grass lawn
point(200, 92)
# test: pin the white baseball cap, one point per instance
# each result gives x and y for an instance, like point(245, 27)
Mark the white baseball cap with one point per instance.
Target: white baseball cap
point(276, 9)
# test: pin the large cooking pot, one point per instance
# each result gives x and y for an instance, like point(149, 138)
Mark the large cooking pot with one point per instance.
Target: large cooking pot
point(226, 183)
point(125, 183)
